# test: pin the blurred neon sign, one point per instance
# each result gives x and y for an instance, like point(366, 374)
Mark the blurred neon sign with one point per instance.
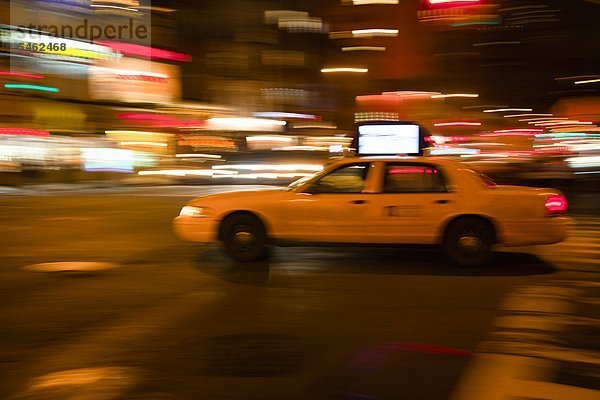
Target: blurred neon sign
point(44, 45)
point(146, 52)
point(24, 131)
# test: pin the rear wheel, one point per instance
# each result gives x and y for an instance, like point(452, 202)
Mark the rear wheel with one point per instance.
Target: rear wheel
point(245, 237)
point(468, 242)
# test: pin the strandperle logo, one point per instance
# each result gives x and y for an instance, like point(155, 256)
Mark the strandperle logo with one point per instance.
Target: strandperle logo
point(86, 31)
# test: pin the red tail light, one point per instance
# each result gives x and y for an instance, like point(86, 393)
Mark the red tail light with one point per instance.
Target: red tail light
point(556, 204)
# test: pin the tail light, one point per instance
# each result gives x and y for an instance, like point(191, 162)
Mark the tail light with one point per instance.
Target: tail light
point(556, 204)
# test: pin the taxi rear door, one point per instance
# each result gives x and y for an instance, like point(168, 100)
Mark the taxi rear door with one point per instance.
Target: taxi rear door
point(412, 200)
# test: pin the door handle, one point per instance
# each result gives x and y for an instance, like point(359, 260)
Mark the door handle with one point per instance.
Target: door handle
point(443, 201)
point(358, 201)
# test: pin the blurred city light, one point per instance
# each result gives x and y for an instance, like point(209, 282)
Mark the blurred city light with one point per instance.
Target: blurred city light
point(344, 69)
point(287, 86)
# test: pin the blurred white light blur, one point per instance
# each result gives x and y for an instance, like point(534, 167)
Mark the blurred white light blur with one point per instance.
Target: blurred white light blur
point(527, 115)
point(151, 144)
point(537, 120)
point(411, 93)
point(113, 7)
point(312, 24)
point(374, 32)
point(198, 155)
point(518, 130)
point(443, 96)
point(507, 109)
point(270, 167)
point(587, 81)
point(274, 114)
point(345, 69)
point(566, 122)
point(452, 151)
point(185, 172)
point(245, 124)
point(273, 16)
point(584, 162)
point(264, 138)
point(365, 2)
point(131, 133)
point(108, 159)
point(363, 48)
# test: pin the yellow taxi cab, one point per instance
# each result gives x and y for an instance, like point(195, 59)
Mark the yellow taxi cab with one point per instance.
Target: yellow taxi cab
point(380, 201)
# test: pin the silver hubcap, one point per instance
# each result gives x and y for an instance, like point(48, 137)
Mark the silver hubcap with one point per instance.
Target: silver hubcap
point(469, 242)
point(243, 238)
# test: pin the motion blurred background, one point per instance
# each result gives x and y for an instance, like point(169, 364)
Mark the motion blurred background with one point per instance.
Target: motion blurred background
point(235, 91)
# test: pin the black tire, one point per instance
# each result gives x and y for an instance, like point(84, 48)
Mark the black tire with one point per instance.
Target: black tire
point(244, 237)
point(468, 242)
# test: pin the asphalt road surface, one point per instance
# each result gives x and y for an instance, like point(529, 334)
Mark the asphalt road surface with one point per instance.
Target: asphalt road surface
point(159, 318)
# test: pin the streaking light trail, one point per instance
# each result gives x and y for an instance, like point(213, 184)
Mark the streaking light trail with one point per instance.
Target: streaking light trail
point(31, 87)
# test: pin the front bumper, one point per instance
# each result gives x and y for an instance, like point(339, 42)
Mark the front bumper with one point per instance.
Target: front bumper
point(533, 232)
point(201, 230)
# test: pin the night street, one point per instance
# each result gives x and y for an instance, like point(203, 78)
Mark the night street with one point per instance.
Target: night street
point(162, 162)
point(160, 318)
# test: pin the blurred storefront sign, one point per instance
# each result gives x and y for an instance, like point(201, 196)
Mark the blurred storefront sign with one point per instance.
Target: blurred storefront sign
point(135, 81)
point(40, 45)
point(107, 160)
point(190, 143)
point(403, 105)
point(159, 143)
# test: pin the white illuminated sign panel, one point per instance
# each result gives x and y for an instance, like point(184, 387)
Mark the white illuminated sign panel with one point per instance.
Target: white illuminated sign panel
point(389, 139)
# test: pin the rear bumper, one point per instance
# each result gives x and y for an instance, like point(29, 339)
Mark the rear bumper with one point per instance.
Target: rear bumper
point(201, 230)
point(532, 232)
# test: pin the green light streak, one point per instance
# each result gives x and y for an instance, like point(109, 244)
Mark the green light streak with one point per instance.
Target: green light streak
point(31, 87)
point(477, 23)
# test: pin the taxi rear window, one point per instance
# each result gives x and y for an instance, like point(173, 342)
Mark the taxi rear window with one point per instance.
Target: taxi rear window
point(483, 178)
point(408, 178)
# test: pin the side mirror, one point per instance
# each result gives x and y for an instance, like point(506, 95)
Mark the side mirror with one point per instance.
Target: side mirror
point(313, 189)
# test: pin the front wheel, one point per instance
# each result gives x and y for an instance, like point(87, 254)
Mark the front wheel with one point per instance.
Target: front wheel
point(244, 237)
point(468, 242)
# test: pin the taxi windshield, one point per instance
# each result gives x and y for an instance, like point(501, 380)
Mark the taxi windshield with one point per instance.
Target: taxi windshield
point(302, 180)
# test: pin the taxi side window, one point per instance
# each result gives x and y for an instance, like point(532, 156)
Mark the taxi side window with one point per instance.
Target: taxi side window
point(406, 178)
point(347, 179)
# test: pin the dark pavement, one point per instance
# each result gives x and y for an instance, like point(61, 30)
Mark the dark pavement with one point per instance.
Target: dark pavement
point(174, 320)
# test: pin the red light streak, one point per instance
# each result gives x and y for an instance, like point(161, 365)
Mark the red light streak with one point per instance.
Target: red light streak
point(512, 132)
point(415, 170)
point(451, 2)
point(21, 75)
point(457, 123)
point(146, 52)
point(160, 120)
point(24, 132)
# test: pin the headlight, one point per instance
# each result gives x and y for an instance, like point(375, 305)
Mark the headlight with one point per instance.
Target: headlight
point(190, 211)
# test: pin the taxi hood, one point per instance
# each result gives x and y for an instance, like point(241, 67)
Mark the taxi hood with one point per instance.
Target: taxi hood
point(242, 195)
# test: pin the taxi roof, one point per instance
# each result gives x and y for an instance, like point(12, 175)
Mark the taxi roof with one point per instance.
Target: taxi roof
point(431, 160)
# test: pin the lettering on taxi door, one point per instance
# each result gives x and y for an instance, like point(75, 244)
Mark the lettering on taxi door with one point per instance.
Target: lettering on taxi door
point(402, 211)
